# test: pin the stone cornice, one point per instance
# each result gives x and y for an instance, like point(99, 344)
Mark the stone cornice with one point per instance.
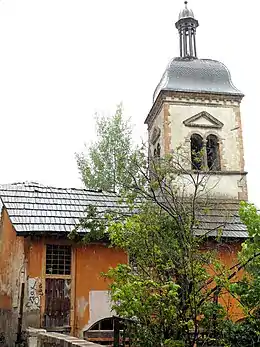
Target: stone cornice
point(187, 98)
point(220, 173)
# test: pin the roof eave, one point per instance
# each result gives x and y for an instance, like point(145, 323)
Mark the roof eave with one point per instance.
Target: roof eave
point(59, 235)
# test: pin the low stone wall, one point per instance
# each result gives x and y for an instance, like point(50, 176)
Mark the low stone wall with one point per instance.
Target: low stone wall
point(42, 338)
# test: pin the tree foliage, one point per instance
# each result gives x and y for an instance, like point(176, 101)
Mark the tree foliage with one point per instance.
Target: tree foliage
point(103, 165)
point(247, 290)
point(173, 285)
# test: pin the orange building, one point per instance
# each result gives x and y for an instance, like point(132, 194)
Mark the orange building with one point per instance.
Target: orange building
point(46, 280)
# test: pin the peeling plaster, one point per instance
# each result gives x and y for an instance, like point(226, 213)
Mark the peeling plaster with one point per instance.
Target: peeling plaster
point(82, 303)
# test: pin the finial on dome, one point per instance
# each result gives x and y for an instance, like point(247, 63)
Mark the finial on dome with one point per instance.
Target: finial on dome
point(186, 12)
point(186, 26)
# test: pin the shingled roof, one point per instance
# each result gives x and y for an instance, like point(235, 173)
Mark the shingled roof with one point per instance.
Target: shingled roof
point(35, 208)
point(221, 217)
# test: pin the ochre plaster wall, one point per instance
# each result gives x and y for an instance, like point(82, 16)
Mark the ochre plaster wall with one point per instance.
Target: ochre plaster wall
point(89, 289)
point(34, 285)
point(11, 274)
point(227, 253)
point(91, 261)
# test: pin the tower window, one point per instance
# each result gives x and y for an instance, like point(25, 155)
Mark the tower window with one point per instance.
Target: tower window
point(213, 159)
point(196, 151)
point(157, 151)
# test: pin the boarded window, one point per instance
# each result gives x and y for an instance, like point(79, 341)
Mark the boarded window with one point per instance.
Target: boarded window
point(58, 260)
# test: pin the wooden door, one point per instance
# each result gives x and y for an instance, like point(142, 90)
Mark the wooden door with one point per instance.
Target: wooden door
point(57, 303)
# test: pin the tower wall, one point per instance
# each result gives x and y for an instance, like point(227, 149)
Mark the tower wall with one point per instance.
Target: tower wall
point(183, 114)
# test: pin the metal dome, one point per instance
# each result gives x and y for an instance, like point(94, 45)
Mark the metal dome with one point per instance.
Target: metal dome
point(186, 12)
point(197, 75)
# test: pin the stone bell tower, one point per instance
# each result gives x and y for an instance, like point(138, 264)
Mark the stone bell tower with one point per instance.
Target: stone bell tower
point(197, 106)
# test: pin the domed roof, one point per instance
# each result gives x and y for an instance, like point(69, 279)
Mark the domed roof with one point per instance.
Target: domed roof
point(197, 75)
point(186, 12)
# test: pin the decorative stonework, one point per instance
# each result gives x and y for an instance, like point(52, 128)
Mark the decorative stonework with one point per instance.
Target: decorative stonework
point(203, 120)
point(239, 137)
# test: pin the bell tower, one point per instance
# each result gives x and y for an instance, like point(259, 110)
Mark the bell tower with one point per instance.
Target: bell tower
point(196, 106)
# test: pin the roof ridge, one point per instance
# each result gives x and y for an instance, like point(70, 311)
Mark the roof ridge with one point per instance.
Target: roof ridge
point(32, 184)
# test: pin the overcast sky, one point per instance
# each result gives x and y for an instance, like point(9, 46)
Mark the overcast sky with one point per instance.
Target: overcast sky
point(61, 61)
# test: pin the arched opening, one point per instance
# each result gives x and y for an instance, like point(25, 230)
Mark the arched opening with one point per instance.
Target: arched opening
point(103, 324)
point(196, 143)
point(213, 159)
point(110, 331)
point(158, 150)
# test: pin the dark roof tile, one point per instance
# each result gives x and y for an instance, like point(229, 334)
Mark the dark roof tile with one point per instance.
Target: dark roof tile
point(34, 208)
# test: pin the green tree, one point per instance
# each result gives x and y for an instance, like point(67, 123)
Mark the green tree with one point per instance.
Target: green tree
point(167, 288)
point(103, 165)
point(247, 290)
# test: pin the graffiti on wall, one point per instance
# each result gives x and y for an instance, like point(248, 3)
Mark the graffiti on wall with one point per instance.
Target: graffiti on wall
point(34, 293)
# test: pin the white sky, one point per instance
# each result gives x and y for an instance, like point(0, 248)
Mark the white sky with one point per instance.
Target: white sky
point(61, 61)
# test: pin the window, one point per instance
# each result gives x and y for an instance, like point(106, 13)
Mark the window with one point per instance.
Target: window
point(58, 260)
point(205, 153)
point(157, 151)
point(104, 324)
point(213, 153)
point(196, 151)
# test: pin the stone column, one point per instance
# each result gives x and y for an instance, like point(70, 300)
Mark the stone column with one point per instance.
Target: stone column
point(180, 32)
point(190, 43)
point(194, 43)
point(205, 158)
point(185, 42)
